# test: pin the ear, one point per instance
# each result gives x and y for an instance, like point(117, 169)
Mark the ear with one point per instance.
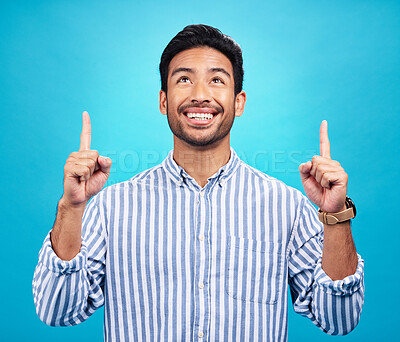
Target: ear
point(240, 101)
point(163, 102)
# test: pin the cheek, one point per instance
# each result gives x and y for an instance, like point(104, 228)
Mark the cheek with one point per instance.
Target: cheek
point(224, 94)
point(177, 94)
point(227, 100)
point(177, 97)
point(171, 105)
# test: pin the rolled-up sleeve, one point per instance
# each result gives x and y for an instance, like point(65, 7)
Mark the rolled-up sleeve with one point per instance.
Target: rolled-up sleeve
point(68, 292)
point(333, 306)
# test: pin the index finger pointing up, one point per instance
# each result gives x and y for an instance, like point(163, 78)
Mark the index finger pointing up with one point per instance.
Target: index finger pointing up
point(86, 132)
point(324, 145)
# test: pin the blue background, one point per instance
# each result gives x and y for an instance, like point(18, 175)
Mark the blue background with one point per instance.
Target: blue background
point(304, 61)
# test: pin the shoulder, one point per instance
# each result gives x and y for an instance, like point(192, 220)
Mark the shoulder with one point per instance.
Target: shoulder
point(153, 177)
point(269, 183)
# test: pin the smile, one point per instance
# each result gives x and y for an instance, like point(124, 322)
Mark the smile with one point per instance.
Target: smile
point(200, 116)
point(200, 119)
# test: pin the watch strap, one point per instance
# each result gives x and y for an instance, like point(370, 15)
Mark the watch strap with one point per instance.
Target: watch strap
point(333, 218)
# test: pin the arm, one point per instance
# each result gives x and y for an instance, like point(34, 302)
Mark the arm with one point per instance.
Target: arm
point(85, 174)
point(68, 280)
point(66, 292)
point(66, 232)
point(339, 255)
point(326, 274)
point(332, 305)
point(325, 184)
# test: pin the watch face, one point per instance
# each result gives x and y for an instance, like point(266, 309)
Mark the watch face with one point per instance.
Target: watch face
point(350, 204)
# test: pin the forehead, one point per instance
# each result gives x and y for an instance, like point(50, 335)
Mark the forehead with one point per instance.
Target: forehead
point(200, 58)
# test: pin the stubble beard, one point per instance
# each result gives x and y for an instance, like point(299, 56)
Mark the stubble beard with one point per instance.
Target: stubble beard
point(221, 132)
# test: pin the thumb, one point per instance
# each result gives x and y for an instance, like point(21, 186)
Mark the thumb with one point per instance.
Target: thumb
point(305, 169)
point(105, 164)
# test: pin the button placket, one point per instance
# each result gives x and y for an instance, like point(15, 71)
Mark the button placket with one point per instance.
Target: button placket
point(202, 300)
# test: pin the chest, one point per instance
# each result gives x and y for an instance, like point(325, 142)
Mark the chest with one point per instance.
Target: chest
point(231, 243)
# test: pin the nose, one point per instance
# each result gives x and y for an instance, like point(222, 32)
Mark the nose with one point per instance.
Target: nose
point(200, 93)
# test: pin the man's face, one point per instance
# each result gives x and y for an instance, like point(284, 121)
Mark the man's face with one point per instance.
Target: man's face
point(200, 102)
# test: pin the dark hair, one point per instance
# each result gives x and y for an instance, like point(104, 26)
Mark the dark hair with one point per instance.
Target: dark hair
point(203, 35)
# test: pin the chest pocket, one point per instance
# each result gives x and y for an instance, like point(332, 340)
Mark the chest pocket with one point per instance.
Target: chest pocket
point(254, 270)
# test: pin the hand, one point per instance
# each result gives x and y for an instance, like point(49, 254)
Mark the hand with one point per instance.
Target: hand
point(324, 180)
point(85, 172)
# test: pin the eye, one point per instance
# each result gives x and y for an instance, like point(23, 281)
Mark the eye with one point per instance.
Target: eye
point(217, 80)
point(183, 79)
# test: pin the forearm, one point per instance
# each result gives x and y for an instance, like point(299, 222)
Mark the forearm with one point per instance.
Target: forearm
point(66, 235)
point(56, 295)
point(67, 286)
point(339, 255)
point(334, 306)
point(68, 292)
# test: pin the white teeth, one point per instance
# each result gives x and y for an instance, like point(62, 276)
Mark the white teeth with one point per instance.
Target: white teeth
point(200, 116)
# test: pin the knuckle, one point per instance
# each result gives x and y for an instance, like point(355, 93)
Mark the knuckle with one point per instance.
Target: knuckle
point(85, 170)
point(91, 154)
point(81, 154)
point(77, 168)
point(320, 167)
point(86, 155)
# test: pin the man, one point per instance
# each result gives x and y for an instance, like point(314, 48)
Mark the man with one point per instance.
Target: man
point(202, 246)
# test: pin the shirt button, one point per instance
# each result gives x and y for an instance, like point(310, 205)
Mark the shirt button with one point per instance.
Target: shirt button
point(201, 334)
point(201, 286)
point(201, 237)
point(202, 193)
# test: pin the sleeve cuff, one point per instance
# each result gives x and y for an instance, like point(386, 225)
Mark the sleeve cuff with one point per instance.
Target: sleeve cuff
point(346, 286)
point(49, 259)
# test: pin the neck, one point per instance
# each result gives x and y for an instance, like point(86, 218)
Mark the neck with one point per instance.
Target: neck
point(201, 162)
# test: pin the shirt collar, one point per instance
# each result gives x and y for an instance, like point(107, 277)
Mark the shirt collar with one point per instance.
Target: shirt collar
point(178, 174)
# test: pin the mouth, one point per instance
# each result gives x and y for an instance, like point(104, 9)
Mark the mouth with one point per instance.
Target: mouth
point(200, 116)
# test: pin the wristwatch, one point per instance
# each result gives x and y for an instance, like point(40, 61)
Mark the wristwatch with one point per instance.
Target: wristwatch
point(342, 216)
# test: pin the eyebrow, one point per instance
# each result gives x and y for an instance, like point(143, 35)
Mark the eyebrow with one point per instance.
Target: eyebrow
point(220, 70)
point(178, 70)
point(190, 70)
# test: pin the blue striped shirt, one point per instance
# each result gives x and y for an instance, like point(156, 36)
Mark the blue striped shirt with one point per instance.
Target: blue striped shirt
point(173, 261)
